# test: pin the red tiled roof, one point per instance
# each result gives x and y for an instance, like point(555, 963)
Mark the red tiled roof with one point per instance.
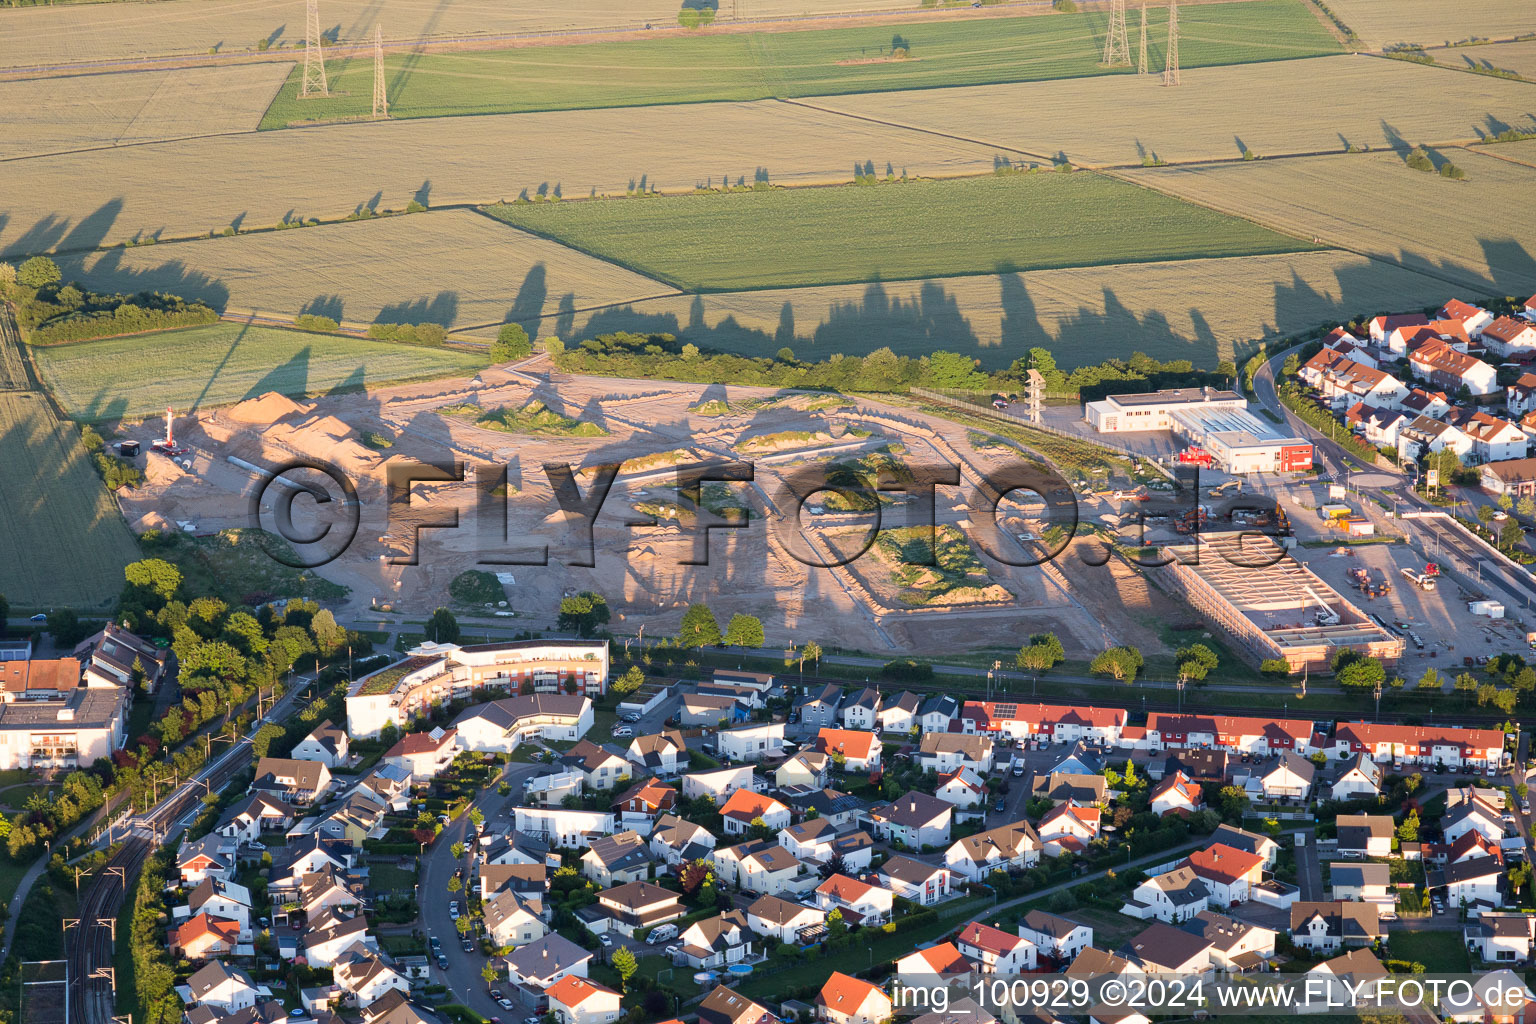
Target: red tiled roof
point(421, 743)
point(846, 994)
point(989, 939)
point(1040, 715)
point(572, 991)
point(853, 743)
point(1227, 726)
point(1506, 329)
point(1369, 734)
point(746, 805)
point(201, 925)
point(1224, 863)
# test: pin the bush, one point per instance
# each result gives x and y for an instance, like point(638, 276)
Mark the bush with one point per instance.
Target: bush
point(1069, 6)
point(428, 335)
point(511, 343)
point(128, 318)
point(315, 322)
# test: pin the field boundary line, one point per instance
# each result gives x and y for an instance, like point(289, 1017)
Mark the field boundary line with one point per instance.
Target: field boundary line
point(1379, 55)
point(913, 128)
point(585, 309)
point(610, 261)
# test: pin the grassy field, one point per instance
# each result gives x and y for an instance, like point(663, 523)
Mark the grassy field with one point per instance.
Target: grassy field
point(1272, 109)
point(749, 66)
point(780, 238)
point(1375, 203)
point(462, 268)
point(225, 363)
point(46, 115)
point(1202, 310)
point(1381, 23)
point(1438, 951)
point(62, 539)
point(254, 180)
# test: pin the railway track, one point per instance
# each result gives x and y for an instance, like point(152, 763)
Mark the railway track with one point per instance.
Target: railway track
point(89, 943)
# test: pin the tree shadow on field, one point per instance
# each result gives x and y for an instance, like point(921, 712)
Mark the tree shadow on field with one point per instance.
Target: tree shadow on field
point(1395, 140)
point(92, 229)
point(443, 308)
point(108, 273)
point(290, 378)
point(528, 305)
point(423, 195)
point(277, 34)
point(323, 305)
point(565, 316)
point(354, 382)
point(40, 237)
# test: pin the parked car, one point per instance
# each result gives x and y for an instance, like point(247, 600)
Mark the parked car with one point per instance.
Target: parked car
point(467, 945)
point(453, 910)
point(442, 962)
point(1001, 805)
point(605, 940)
point(505, 1004)
point(496, 995)
point(623, 732)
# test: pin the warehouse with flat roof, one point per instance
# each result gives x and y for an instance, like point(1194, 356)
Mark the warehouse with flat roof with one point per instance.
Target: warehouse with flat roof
point(1216, 424)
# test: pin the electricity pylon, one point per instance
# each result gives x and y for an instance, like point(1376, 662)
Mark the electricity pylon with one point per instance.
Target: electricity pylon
point(380, 101)
point(1141, 64)
point(1117, 49)
point(314, 60)
point(1171, 69)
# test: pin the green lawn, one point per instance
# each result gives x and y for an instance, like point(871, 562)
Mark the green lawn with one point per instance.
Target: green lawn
point(985, 225)
point(1438, 951)
point(749, 66)
point(225, 363)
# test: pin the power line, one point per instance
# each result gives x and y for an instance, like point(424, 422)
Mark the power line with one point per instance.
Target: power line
point(380, 101)
point(1171, 69)
point(314, 59)
point(1117, 48)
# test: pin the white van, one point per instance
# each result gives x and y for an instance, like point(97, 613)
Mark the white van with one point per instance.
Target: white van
point(663, 933)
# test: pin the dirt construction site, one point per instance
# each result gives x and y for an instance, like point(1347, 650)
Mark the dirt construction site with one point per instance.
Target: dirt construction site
point(896, 593)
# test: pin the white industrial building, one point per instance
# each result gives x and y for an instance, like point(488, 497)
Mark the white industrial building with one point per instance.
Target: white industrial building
point(1216, 422)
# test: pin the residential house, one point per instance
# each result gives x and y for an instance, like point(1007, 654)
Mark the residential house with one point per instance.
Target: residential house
point(729, 859)
point(1516, 477)
point(389, 785)
point(297, 782)
point(1235, 946)
point(1475, 815)
point(1346, 980)
point(1068, 828)
point(848, 1000)
point(716, 941)
point(328, 934)
point(997, 951)
point(937, 713)
point(783, 921)
point(366, 976)
point(575, 1000)
point(859, 901)
point(859, 751)
point(1329, 926)
point(860, 709)
point(1473, 319)
point(1510, 338)
point(1056, 937)
point(946, 751)
point(1470, 846)
point(638, 906)
point(529, 879)
point(1080, 759)
point(914, 880)
point(837, 807)
point(424, 754)
point(514, 918)
point(545, 961)
point(616, 859)
point(817, 708)
point(718, 783)
point(1176, 794)
point(1248, 842)
point(962, 787)
point(115, 657)
point(812, 840)
point(1083, 790)
point(916, 820)
point(1500, 996)
point(1011, 847)
point(645, 800)
point(327, 744)
point(709, 710)
point(1229, 874)
point(1163, 949)
point(1422, 402)
point(807, 768)
point(662, 753)
point(1419, 744)
point(1232, 733)
point(224, 900)
point(1347, 382)
point(1287, 777)
point(1499, 938)
point(1450, 370)
point(1093, 960)
point(600, 767)
point(1470, 883)
point(1362, 881)
point(752, 742)
point(1520, 397)
point(745, 807)
point(209, 857)
point(1493, 439)
point(1365, 835)
point(247, 819)
point(1361, 778)
point(204, 936)
point(938, 964)
point(899, 714)
point(1423, 435)
point(676, 842)
point(1173, 896)
point(221, 987)
point(1386, 331)
point(748, 697)
point(724, 1006)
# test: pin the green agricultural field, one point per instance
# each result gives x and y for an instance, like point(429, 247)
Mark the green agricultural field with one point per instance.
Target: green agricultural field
point(225, 363)
point(986, 225)
point(746, 66)
point(62, 540)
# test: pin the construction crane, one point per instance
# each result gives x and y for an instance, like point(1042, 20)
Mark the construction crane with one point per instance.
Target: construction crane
point(1326, 616)
point(167, 445)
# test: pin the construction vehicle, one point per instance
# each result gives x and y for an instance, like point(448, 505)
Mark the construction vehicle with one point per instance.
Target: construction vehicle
point(1191, 520)
point(1218, 491)
point(1326, 616)
point(1196, 457)
point(1431, 569)
point(167, 445)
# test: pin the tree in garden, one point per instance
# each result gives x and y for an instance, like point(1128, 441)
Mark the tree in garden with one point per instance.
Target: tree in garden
point(744, 631)
point(443, 627)
point(1121, 662)
point(836, 926)
point(1408, 831)
point(477, 816)
point(693, 876)
point(1234, 802)
point(624, 962)
point(154, 575)
point(1195, 662)
point(699, 628)
point(583, 614)
point(632, 679)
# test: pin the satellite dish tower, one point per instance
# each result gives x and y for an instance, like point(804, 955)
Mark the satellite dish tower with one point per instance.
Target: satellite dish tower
point(1171, 69)
point(1117, 48)
point(314, 60)
point(380, 101)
